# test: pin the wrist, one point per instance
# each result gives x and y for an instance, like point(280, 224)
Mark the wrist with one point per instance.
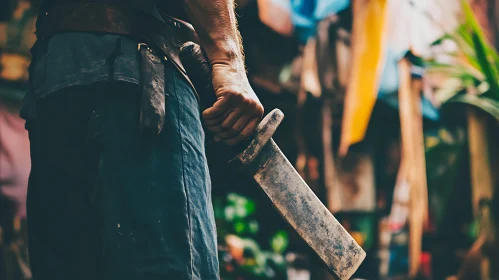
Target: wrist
point(226, 52)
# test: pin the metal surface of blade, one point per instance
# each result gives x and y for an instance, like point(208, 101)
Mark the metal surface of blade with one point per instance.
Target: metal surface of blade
point(303, 210)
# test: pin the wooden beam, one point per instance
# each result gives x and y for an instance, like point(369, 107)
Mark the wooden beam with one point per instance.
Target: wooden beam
point(413, 158)
point(481, 174)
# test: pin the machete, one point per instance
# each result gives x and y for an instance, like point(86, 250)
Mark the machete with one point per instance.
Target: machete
point(262, 159)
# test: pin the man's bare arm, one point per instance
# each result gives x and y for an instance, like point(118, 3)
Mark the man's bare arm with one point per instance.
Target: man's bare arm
point(237, 111)
point(216, 25)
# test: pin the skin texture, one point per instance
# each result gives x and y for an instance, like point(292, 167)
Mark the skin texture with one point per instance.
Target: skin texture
point(237, 111)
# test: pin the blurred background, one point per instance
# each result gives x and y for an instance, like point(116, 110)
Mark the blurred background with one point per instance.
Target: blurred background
point(391, 116)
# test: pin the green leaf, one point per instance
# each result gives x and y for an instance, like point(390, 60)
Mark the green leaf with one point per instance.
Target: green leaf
point(483, 51)
point(488, 105)
point(253, 227)
point(235, 199)
point(239, 227)
point(458, 68)
point(240, 211)
point(442, 39)
point(243, 207)
point(463, 31)
point(467, 49)
point(449, 89)
point(279, 241)
point(471, 20)
point(230, 213)
point(474, 229)
point(489, 70)
point(250, 207)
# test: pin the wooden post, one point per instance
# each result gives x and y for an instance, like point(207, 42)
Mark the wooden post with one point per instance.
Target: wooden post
point(413, 158)
point(481, 175)
point(482, 186)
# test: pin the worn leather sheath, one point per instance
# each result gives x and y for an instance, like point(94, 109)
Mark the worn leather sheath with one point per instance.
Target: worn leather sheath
point(153, 100)
point(154, 37)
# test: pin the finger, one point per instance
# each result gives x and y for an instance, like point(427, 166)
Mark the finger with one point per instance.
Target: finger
point(218, 108)
point(226, 123)
point(245, 134)
point(217, 120)
point(235, 129)
point(230, 120)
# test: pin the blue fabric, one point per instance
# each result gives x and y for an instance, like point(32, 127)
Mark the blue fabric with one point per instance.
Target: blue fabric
point(389, 85)
point(305, 14)
point(76, 58)
point(70, 59)
point(390, 76)
point(428, 110)
point(106, 201)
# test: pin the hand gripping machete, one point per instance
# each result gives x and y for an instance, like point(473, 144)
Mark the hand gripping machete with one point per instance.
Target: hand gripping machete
point(262, 159)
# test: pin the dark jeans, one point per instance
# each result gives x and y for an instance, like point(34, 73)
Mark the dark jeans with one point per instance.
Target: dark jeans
point(106, 201)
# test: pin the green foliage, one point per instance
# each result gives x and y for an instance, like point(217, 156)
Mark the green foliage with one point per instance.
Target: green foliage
point(487, 68)
point(279, 242)
point(471, 78)
point(444, 154)
point(242, 257)
point(474, 68)
point(474, 229)
point(483, 103)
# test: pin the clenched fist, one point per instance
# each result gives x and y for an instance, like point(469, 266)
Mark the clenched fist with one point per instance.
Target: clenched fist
point(237, 110)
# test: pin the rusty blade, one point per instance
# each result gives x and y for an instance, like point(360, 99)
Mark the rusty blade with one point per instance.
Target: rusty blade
point(303, 210)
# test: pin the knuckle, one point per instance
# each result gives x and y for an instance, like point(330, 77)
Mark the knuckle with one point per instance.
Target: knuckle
point(260, 109)
point(246, 134)
point(237, 127)
point(230, 94)
point(246, 100)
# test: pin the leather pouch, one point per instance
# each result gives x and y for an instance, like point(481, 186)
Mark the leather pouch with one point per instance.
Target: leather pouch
point(153, 101)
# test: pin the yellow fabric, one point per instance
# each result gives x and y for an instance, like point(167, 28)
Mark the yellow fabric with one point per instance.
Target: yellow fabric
point(13, 67)
point(368, 57)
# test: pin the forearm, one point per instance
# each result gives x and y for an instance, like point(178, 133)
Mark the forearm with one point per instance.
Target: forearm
point(216, 25)
point(237, 111)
